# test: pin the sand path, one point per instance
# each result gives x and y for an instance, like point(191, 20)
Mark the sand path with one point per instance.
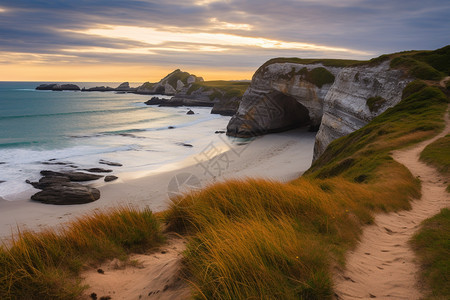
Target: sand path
point(154, 276)
point(383, 266)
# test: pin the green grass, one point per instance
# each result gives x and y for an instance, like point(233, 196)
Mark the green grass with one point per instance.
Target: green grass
point(432, 245)
point(177, 75)
point(427, 65)
point(308, 61)
point(319, 77)
point(375, 103)
point(221, 89)
point(46, 265)
point(418, 116)
point(437, 154)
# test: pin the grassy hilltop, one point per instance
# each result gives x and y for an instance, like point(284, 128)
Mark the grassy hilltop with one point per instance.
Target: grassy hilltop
point(257, 238)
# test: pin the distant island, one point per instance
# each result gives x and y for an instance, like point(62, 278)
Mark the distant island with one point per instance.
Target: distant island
point(186, 90)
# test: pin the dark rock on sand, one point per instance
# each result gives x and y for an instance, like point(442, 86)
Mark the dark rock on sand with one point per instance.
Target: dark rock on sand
point(1, 181)
point(110, 178)
point(171, 127)
point(185, 144)
point(219, 131)
point(73, 176)
point(2, 162)
point(98, 170)
point(67, 193)
point(190, 112)
point(48, 181)
point(110, 163)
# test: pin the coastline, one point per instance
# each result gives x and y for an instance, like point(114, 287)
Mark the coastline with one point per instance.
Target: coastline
point(282, 157)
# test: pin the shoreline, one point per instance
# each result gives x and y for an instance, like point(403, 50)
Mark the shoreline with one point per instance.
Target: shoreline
point(287, 155)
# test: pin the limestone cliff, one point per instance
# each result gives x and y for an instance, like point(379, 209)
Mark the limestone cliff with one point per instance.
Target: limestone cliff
point(337, 100)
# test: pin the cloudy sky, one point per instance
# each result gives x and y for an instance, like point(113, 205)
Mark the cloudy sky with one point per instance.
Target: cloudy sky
point(141, 40)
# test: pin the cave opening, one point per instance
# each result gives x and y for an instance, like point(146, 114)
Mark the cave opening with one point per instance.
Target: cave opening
point(287, 114)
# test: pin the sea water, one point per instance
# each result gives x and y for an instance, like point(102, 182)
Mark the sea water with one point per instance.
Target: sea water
point(81, 128)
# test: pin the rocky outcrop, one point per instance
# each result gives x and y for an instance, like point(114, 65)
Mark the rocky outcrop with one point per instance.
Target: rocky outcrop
point(58, 87)
point(123, 87)
point(336, 100)
point(67, 193)
point(169, 85)
point(59, 188)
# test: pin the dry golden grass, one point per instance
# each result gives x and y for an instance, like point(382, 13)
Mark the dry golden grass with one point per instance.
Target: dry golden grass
point(264, 239)
point(46, 265)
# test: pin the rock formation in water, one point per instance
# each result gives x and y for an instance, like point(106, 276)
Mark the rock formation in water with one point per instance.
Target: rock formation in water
point(335, 100)
point(58, 87)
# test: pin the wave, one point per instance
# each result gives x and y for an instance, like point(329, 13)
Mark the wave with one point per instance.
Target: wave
point(73, 113)
point(19, 144)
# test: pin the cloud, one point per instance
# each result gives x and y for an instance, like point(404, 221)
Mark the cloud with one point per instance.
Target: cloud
point(224, 34)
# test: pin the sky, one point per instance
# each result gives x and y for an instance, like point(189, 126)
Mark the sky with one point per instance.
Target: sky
point(143, 40)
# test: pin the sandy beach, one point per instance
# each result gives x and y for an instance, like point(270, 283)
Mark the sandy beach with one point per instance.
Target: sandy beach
point(282, 156)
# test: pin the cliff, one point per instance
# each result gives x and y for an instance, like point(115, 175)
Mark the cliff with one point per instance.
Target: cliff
point(327, 96)
point(334, 96)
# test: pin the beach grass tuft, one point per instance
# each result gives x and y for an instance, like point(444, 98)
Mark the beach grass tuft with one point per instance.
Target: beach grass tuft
point(47, 264)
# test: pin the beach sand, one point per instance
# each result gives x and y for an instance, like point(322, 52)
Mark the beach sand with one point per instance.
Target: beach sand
point(281, 156)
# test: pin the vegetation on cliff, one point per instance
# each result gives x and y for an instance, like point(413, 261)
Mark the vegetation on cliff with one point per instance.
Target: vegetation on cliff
point(221, 89)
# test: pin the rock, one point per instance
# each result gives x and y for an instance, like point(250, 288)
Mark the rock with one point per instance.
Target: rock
point(67, 193)
point(190, 112)
point(110, 178)
point(1, 181)
point(180, 85)
point(122, 86)
point(48, 181)
point(56, 163)
point(58, 87)
point(283, 96)
point(110, 163)
point(185, 145)
point(2, 162)
point(171, 127)
point(219, 131)
point(98, 170)
point(155, 101)
point(99, 89)
point(169, 89)
point(73, 176)
point(226, 107)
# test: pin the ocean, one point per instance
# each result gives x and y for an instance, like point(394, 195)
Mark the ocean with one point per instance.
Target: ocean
point(81, 128)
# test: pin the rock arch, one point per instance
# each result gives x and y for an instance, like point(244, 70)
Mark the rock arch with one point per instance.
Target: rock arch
point(269, 112)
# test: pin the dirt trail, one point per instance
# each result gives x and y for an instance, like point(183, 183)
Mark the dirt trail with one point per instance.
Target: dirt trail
point(155, 276)
point(383, 266)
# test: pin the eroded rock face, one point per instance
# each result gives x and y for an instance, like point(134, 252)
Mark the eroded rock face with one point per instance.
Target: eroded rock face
point(285, 95)
point(345, 106)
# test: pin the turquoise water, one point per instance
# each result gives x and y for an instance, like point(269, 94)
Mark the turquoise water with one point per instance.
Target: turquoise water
point(83, 127)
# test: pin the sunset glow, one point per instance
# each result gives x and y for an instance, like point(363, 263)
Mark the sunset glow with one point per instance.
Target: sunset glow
point(39, 41)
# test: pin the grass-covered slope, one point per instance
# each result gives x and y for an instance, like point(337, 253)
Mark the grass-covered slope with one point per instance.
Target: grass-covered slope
point(260, 239)
point(357, 156)
point(437, 154)
point(432, 244)
point(222, 89)
point(46, 265)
